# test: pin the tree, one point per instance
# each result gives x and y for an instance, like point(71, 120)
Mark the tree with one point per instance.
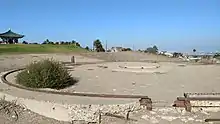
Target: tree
point(73, 42)
point(66, 42)
point(87, 48)
point(126, 49)
point(46, 42)
point(77, 44)
point(50, 42)
point(176, 55)
point(217, 56)
point(194, 50)
point(98, 46)
point(62, 42)
point(153, 50)
point(24, 42)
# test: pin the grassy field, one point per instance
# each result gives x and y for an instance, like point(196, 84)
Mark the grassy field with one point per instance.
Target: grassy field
point(38, 48)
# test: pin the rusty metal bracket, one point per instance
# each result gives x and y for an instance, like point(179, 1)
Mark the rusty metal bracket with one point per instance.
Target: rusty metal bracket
point(147, 102)
point(200, 98)
point(185, 101)
point(188, 106)
point(120, 117)
point(212, 119)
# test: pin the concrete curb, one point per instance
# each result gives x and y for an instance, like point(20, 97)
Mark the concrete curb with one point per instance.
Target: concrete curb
point(48, 109)
point(67, 112)
point(3, 78)
point(41, 107)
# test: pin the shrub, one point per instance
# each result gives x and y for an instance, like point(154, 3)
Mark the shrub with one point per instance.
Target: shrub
point(45, 74)
point(153, 50)
point(87, 48)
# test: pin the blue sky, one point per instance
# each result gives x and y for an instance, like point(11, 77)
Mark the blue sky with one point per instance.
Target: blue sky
point(170, 24)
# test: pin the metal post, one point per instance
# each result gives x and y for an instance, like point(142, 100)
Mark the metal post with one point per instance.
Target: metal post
point(99, 118)
point(73, 59)
point(106, 47)
point(127, 115)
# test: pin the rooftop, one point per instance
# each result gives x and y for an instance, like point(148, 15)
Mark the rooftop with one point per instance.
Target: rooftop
point(10, 34)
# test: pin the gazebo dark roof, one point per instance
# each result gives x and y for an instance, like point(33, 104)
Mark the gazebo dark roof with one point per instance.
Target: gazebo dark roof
point(10, 34)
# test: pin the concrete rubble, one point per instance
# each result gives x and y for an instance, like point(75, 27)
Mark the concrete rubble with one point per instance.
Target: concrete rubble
point(90, 113)
point(159, 115)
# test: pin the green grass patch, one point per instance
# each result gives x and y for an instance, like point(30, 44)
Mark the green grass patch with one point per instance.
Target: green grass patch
point(38, 48)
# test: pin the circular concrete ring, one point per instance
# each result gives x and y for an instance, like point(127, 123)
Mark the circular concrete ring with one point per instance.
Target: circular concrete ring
point(3, 78)
point(140, 67)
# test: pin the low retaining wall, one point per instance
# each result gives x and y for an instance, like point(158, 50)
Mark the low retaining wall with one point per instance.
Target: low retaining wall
point(3, 78)
point(65, 112)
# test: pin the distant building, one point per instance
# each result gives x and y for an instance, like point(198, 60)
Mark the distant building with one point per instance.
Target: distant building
point(165, 53)
point(116, 49)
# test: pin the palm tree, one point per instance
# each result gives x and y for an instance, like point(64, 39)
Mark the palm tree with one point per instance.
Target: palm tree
point(194, 50)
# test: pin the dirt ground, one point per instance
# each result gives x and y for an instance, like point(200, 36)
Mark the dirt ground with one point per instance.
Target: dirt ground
point(174, 81)
point(130, 56)
point(166, 83)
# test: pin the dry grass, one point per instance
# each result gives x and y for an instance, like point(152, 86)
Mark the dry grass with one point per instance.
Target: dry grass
point(11, 109)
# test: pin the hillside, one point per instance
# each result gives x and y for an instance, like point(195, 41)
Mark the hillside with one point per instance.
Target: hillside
point(37, 48)
point(129, 56)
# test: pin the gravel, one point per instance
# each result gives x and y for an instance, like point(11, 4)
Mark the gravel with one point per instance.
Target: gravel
point(90, 113)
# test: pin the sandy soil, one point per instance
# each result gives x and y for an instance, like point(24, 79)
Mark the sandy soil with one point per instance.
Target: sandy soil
point(130, 56)
point(166, 86)
point(173, 82)
point(8, 62)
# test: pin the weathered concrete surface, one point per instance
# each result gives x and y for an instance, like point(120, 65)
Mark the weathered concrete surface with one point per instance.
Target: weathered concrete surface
point(59, 98)
point(165, 87)
point(40, 107)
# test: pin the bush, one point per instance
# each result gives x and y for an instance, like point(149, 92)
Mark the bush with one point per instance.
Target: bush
point(153, 50)
point(45, 74)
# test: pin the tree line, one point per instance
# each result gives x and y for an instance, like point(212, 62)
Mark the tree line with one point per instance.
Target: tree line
point(47, 41)
point(97, 46)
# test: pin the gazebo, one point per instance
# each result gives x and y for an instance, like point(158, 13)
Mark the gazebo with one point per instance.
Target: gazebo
point(10, 37)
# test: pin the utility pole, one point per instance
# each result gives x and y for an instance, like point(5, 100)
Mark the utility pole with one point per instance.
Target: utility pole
point(106, 46)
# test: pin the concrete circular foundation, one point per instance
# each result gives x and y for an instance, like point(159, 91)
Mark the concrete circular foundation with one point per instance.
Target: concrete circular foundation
point(136, 67)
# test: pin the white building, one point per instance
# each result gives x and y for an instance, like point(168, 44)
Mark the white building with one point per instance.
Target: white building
point(116, 49)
